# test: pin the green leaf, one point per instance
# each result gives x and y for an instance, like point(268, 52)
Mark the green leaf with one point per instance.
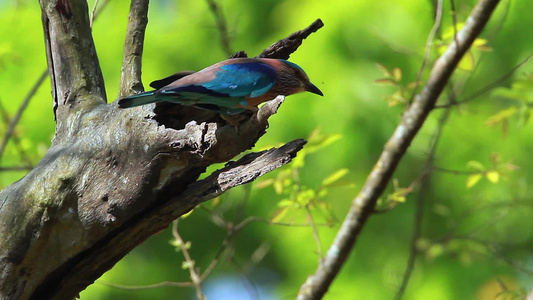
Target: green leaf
point(467, 62)
point(175, 243)
point(383, 69)
point(285, 203)
point(397, 74)
point(396, 98)
point(263, 183)
point(334, 177)
point(318, 141)
point(475, 165)
point(278, 186)
point(473, 180)
point(304, 197)
point(435, 251)
point(449, 32)
point(187, 265)
point(280, 214)
point(493, 176)
point(500, 116)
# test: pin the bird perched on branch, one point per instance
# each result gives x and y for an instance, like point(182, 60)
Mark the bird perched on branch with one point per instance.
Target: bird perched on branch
point(229, 87)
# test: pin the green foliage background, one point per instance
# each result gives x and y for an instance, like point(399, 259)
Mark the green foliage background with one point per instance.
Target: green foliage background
point(477, 234)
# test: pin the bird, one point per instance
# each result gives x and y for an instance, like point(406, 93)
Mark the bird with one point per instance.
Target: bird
point(229, 87)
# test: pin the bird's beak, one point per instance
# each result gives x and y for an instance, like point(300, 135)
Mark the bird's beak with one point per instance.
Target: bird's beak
point(313, 89)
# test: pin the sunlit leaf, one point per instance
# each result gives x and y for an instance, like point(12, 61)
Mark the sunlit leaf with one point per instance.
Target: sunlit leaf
point(397, 74)
point(435, 251)
point(481, 45)
point(175, 243)
point(187, 264)
point(278, 186)
point(413, 84)
point(479, 42)
point(304, 197)
point(320, 141)
point(396, 98)
point(334, 177)
point(187, 214)
point(280, 214)
point(383, 69)
point(493, 176)
point(500, 116)
point(285, 203)
point(450, 31)
point(473, 180)
point(263, 183)
point(475, 165)
point(467, 62)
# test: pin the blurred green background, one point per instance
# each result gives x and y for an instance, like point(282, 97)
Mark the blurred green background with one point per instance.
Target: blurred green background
point(477, 230)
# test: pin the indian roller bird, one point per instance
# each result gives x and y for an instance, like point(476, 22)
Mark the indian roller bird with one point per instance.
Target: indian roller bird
point(228, 87)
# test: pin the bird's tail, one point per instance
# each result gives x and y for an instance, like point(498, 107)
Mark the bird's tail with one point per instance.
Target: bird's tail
point(139, 99)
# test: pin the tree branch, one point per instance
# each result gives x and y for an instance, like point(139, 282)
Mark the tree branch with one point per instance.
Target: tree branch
point(221, 25)
point(363, 205)
point(77, 81)
point(284, 48)
point(18, 115)
point(130, 80)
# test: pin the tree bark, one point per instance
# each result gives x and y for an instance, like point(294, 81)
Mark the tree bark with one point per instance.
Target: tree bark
point(112, 177)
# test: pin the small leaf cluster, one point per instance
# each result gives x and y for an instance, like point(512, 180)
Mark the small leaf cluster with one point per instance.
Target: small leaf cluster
point(295, 195)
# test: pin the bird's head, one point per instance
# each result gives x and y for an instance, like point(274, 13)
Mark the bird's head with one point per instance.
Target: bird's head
point(292, 77)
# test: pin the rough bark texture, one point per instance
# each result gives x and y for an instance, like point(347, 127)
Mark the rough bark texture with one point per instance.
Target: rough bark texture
point(112, 177)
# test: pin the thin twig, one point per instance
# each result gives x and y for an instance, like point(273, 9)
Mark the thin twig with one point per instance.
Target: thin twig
point(21, 109)
point(454, 19)
point(429, 42)
point(316, 236)
point(16, 141)
point(188, 260)
point(284, 48)
point(421, 197)
point(16, 168)
point(221, 25)
point(97, 9)
point(93, 13)
point(459, 172)
point(363, 205)
point(489, 86)
point(146, 287)
point(130, 79)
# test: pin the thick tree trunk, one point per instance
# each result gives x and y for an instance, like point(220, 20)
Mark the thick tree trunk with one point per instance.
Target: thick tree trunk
point(113, 177)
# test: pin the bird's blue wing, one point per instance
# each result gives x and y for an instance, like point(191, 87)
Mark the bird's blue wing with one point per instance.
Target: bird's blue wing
point(228, 89)
point(243, 79)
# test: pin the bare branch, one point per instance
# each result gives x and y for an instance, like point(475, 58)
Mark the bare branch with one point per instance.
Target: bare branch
point(97, 9)
point(146, 287)
point(79, 79)
point(285, 47)
point(221, 25)
point(436, 26)
point(130, 80)
point(21, 109)
point(421, 197)
point(191, 264)
point(17, 168)
point(489, 86)
point(363, 205)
